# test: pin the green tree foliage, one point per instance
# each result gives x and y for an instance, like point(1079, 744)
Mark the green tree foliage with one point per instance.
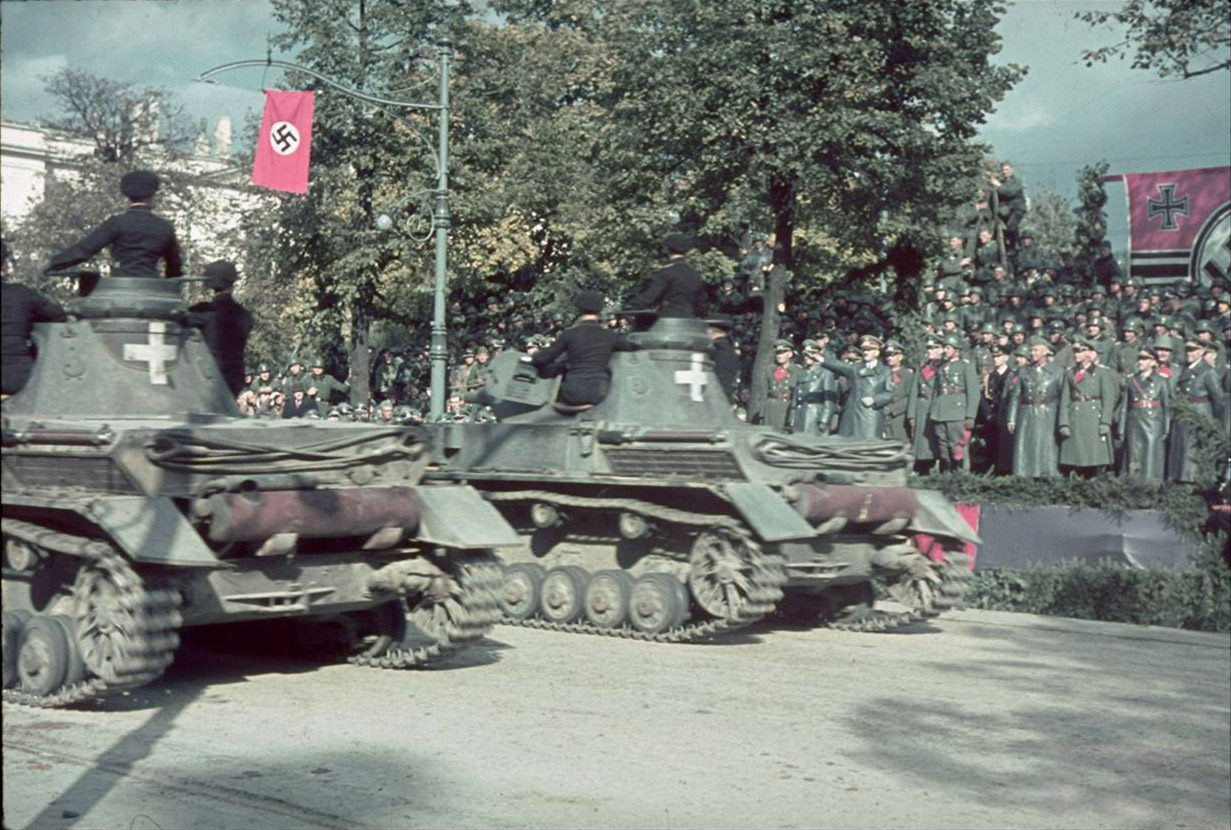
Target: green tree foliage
point(1187, 38)
point(1052, 221)
point(1091, 217)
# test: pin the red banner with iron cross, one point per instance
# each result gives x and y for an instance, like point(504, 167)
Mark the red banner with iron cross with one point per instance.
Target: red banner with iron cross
point(284, 146)
point(1180, 224)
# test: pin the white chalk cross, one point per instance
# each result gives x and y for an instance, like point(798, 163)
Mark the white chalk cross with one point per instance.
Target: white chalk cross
point(157, 352)
point(694, 377)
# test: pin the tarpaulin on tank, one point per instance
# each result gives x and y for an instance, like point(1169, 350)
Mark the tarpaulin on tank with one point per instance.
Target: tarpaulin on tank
point(1049, 535)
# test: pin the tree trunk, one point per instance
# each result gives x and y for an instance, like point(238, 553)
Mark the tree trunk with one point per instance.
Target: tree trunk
point(360, 359)
point(775, 291)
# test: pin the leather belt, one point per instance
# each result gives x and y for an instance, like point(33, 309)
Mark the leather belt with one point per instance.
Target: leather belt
point(1204, 399)
point(1147, 405)
point(1038, 401)
point(1085, 399)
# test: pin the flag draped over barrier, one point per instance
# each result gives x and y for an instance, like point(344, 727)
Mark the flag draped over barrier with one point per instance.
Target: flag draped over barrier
point(1179, 224)
point(284, 146)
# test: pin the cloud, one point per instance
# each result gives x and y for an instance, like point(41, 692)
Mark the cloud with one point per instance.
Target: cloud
point(1017, 114)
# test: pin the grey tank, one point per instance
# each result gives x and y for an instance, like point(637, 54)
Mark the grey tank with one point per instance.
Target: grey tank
point(658, 514)
point(138, 501)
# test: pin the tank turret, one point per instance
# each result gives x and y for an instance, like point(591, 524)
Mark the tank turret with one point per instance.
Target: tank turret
point(659, 497)
point(137, 501)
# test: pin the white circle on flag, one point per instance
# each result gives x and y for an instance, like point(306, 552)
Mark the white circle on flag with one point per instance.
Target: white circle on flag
point(284, 138)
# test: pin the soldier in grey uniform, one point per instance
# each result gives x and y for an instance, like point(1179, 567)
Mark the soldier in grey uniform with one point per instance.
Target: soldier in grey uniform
point(816, 394)
point(1145, 420)
point(920, 401)
point(781, 385)
point(903, 378)
point(1034, 408)
point(1197, 385)
point(323, 386)
point(1087, 410)
point(863, 414)
point(954, 405)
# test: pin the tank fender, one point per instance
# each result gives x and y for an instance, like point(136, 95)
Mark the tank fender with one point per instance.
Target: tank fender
point(150, 530)
point(937, 516)
point(772, 518)
point(456, 516)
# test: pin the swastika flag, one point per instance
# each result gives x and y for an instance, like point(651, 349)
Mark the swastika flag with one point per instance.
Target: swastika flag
point(284, 146)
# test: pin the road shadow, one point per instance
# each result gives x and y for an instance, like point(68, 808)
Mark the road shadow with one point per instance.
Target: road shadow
point(1036, 719)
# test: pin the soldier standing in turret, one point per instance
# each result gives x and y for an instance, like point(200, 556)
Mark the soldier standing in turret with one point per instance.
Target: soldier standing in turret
point(138, 239)
point(20, 309)
point(676, 289)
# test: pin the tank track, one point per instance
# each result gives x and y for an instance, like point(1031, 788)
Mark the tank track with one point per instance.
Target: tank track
point(155, 611)
point(471, 614)
point(763, 598)
point(934, 594)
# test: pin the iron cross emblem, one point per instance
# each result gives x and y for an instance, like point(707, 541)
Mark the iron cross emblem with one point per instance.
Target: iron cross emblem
point(694, 377)
point(1167, 207)
point(157, 352)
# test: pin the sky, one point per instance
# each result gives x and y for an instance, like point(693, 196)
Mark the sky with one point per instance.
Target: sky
point(1061, 117)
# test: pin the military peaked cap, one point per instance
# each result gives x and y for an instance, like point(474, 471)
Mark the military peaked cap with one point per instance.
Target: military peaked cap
point(139, 185)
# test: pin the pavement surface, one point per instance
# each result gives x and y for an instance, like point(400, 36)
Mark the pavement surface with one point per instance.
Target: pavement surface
point(980, 719)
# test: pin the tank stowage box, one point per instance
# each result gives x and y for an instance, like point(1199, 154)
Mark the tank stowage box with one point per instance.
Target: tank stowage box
point(658, 514)
point(137, 501)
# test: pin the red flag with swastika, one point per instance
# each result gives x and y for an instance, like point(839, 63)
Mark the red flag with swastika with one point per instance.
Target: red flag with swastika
point(284, 146)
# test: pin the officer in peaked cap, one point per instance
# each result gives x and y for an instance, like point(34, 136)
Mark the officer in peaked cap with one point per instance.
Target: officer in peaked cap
point(138, 239)
point(676, 289)
point(955, 404)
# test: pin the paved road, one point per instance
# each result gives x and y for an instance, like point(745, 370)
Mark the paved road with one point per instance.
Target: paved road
point(981, 720)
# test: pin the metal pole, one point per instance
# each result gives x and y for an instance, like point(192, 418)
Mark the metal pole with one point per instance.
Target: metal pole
point(439, 350)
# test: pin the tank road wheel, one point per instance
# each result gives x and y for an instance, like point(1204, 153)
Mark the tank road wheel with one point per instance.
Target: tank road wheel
point(606, 598)
point(14, 621)
point(728, 576)
point(657, 603)
point(43, 662)
point(523, 582)
point(76, 667)
point(563, 592)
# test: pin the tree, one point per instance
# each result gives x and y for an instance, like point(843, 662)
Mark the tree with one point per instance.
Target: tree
point(120, 119)
point(1188, 38)
point(1052, 221)
point(1091, 226)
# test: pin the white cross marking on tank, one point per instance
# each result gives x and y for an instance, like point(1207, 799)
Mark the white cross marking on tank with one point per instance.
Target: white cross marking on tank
point(694, 377)
point(156, 352)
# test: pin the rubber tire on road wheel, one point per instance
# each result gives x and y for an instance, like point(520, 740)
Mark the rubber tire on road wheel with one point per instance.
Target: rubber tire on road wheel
point(657, 603)
point(615, 588)
point(526, 580)
point(42, 663)
point(14, 621)
point(562, 597)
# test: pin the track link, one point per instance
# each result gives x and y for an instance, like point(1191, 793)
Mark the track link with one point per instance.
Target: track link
point(155, 614)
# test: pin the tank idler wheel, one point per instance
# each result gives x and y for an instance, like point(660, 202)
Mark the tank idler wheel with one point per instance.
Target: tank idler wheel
point(14, 621)
point(606, 598)
point(523, 583)
point(42, 663)
point(563, 594)
point(658, 603)
point(76, 666)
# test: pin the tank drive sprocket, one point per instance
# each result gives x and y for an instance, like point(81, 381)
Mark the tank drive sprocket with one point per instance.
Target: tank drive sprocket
point(121, 633)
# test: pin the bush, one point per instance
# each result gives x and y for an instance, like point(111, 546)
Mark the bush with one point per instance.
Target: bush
point(1197, 598)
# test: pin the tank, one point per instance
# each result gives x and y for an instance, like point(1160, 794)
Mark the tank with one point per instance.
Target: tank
point(659, 515)
point(138, 502)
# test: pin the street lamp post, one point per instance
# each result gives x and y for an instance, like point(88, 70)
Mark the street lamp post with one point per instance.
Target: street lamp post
point(439, 350)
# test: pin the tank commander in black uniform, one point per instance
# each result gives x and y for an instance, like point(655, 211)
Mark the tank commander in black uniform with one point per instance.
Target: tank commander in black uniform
point(583, 353)
point(20, 309)
point(225, 323)
point(676, 289)
point(138, 239)
point(722, 350)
